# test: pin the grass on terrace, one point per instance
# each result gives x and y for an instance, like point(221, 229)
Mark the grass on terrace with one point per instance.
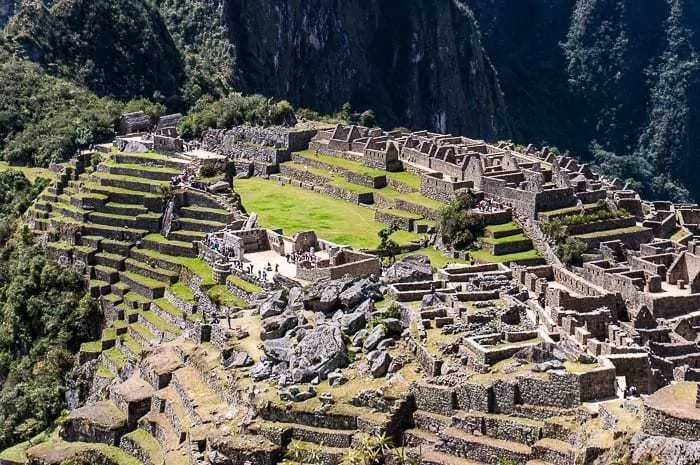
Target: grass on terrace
point(405, 177)
point(485, 257)
point(30, 173)
point(294, 209)
point(437, 259)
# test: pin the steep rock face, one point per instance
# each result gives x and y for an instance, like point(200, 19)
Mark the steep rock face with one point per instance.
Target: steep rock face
point(7, 9)
point(418, 62)
point(115, 48)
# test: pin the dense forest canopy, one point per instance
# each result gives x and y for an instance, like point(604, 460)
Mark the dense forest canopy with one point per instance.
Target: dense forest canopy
point(44, 316)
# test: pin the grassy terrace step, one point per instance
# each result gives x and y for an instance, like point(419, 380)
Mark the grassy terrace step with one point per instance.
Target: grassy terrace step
point(147, 220)
point(156, 173)
point(147, 287)
point(221, 294)
point(116, 247)
point(129, 182)
point(142, 335)
point(146, 444)
point(149, 271)
point(192, 224)
point(126, 209)
point(170, 247)
point(110, 259)
point(405, 177)
point(161, 260)
point(106, 273)
point(151, 158)
point(502, 230)
point(148, 318)
point(506, 239)
point(244, 285)
point(134, 300)
point(187, 236)
point(116, 356)
point(132, 345)
point(116, 233)
point(115, 193)
point(167, 307)
point(202, 213)
point(183, 292)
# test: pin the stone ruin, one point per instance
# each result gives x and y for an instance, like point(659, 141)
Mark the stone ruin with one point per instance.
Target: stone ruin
point(534, 363)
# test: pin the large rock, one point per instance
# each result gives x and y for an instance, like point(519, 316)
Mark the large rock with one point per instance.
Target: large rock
point(323, 349)
point(379, 363)
point(274, 305)
point(325, 295)
point(360, 291)
point(351, 323)
point(278, 326)
point(278, 350)
point(377, 334)
point(410, 269)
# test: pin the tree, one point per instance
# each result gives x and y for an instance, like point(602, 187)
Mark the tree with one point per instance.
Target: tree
point(458, 225)
point(571, 251)
point(387, 246)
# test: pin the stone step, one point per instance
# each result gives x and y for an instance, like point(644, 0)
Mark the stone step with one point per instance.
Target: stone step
point(116, 233)
point(142, 445)
point(173, 410)
point(106, 273)
point(147, 287)
point(201, 403)
point(429, 456)
point(169, 247)
point(120, 289)
point(191, 224)
point(136, 301)
point(481, 448)
point(554, 451)
point(308, 452)
point(127, 209)
point(151, 271)
point(160, 428)
point(116, 247)
point(208, 214)
point(334, 421)
point(283, 433)
point(416, 437)
point(110, 260)
point(187, 236)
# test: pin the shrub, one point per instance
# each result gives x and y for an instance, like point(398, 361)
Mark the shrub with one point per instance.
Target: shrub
point(571, 251)
point(458, 225)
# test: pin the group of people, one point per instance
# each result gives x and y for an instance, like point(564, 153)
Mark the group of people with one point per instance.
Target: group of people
point(218, 245)
point(298, 257)
point(488, 205)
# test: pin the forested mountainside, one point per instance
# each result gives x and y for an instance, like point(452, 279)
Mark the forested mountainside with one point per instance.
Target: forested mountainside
point(612, 81)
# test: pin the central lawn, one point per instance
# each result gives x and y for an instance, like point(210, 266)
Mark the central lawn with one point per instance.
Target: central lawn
point(294, 209)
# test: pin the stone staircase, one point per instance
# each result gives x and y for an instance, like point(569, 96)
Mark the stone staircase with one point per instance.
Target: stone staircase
point(466, 438)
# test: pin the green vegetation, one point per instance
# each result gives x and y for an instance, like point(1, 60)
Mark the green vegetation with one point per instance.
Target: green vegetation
point(220, 295)
point(45, 318)
point(486, 257)
point(233, 110)
point(295, 209)
point(571, 251)
point(44, 119)
point(120, 49)
point(458, 225)
point(182, 292)
point(16, 194)
point(244, 285)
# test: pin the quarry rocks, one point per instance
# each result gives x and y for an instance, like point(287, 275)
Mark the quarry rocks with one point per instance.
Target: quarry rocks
point(410, 269)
